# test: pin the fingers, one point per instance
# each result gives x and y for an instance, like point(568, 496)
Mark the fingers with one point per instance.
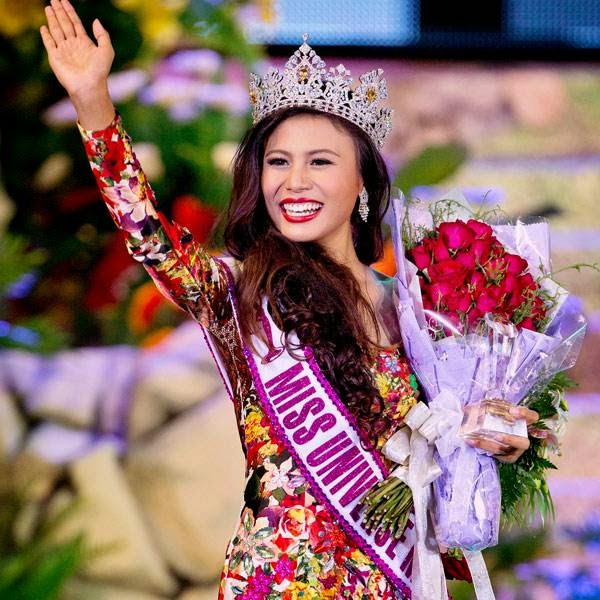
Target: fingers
point(509, 457)
point(101, 34)
point(505, 448)
point(54, 28)
point(522, 412)
point(47, 39)
point(489, 446)
point(75, 20)
point(63, 19)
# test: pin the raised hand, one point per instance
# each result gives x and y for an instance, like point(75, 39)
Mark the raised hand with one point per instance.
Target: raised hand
point(81, 65)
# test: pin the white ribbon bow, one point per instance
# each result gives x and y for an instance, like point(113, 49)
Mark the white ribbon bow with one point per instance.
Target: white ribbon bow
point(412, 448)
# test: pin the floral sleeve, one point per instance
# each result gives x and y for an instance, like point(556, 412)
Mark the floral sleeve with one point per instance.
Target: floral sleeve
point(180, 267)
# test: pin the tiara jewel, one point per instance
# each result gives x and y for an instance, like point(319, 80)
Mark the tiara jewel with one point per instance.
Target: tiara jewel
point(305, 81)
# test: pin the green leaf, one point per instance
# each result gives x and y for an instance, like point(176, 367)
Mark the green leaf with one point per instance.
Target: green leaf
point(265, 552)
point(432, 166)
point(235, 561)
point(279, 494)
point(525, 492)
point(16, 259)
point(248, 564)
point(248, 521)
point(263, 532)
point(40, 573)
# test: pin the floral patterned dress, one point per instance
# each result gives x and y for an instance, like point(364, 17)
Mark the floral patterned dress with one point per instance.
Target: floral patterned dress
point(287, 546)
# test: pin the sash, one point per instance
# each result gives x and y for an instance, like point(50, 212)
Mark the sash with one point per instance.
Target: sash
point(321, 435)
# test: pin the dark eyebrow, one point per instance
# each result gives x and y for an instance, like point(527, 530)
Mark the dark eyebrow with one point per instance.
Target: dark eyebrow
point(318, 151)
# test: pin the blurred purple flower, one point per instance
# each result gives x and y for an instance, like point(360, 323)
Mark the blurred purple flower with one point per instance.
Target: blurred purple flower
point(21, 287)
point(61, 113)
point(561, 568)
point(229, 97)
point(61, 445)
point(125, 84)
point(200, 62)
point(473, 195)
point(180, 95)
point(185, 97)
point(19, 334)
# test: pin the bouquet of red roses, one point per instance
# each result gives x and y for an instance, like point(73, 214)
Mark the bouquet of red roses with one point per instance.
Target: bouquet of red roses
point(465, 272)
point(484, 327)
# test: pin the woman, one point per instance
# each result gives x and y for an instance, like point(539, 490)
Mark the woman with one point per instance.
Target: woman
point(302, 329)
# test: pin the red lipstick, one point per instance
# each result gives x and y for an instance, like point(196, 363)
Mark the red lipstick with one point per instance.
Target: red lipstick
point(299, 217)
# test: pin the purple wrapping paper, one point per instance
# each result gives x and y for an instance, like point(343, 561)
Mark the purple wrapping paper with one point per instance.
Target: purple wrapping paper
point(459, 370)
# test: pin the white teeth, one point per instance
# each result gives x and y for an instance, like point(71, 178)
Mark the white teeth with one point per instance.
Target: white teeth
point(301, 208)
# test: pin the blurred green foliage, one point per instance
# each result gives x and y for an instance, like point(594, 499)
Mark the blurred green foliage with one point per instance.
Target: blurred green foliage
point(431, 166)
point(33, 565)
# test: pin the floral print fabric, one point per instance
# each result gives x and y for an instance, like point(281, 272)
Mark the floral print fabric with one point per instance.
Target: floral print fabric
point(287, 546)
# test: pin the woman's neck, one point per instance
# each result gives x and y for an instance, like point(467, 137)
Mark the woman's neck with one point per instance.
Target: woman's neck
point(342, 250)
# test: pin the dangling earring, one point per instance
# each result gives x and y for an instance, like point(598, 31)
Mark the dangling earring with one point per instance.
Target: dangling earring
point(363, 205)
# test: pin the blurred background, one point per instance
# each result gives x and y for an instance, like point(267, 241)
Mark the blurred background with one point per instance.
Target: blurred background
point(112, 418)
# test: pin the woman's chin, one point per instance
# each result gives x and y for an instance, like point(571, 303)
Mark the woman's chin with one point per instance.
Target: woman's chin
point(299, 232)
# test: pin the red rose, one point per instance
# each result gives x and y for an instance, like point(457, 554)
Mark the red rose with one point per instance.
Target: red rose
point(476, 283)
point(480, 229)
point(448, 271)
point(488, 300)
point(458, 301)
point(510, 284)
point(527, 323)
point(515, 264)
point(456, 235)
point(440, 252)
point(427, 303)
point(497, 248)
point(538, 308)
point(527, 282)
point(481, 250)
point(473, 317)
point(466, 259)
point(513, 301)
point(420, 256)
point(456, 568)
point(495, 267)
point(438, 290)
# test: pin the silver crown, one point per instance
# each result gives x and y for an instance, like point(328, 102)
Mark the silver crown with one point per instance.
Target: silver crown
point(306, 82)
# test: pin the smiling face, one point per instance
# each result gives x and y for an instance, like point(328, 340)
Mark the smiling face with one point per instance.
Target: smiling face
point(310, 181)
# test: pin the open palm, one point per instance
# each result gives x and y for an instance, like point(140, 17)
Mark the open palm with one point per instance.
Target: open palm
point(77, 62)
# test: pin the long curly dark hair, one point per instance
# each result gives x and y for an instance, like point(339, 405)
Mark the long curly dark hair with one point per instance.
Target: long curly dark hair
point(308, 291)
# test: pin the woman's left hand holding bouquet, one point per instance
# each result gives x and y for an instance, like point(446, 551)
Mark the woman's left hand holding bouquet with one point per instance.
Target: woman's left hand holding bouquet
point(81, 66)
point(508, 448)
